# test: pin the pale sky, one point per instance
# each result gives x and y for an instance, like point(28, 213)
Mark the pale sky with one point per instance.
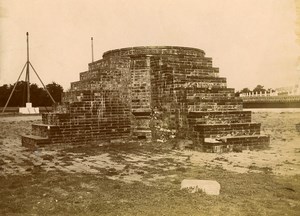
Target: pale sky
point(251, 41)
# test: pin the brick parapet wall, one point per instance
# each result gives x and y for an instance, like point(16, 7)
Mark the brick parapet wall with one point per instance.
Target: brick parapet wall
point(155, 50)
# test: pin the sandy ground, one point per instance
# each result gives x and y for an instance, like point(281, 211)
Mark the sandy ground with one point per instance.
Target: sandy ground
point(134, 161)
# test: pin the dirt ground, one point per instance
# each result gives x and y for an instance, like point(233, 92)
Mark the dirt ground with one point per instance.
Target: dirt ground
point(149, 167)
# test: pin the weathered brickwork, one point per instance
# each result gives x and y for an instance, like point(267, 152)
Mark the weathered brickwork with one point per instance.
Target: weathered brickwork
point(151, 93)
point(91, 117)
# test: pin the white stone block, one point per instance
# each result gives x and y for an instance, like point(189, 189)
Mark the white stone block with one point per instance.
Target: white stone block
point(29, 110)
point(28, 105)
point(209, 187)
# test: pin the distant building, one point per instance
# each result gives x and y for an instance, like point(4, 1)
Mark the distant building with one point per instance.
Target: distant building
point(281, 91)
point(283, 97)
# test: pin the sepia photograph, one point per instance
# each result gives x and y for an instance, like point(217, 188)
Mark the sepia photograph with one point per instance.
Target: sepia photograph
point(161, 107)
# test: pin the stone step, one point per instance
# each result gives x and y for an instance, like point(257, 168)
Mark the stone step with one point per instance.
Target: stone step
point(211, 107)
point(219, 117)
point(198, 100)
point(32, 141)
point(142, 134)
point(222, 130)
point(44, 130)
point(236, 143)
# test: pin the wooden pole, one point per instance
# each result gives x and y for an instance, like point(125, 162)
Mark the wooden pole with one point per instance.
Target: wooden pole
point(92, 44)
point(13, 88)
point(27, 78)
point(42, 83)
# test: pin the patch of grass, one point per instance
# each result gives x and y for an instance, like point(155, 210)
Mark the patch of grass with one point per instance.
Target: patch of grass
point(58, 193)
point(266, 170)
point(47, 157)
point(181, 169)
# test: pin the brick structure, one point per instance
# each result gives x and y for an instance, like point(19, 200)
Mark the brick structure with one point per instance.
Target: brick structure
point(151, 93)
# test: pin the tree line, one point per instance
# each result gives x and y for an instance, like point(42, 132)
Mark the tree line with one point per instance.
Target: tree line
point(257, 89)
point(38, 95)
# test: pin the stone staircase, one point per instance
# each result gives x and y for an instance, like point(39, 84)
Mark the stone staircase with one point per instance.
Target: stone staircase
point(40, 135)
point(235, 143)
point(227, 131)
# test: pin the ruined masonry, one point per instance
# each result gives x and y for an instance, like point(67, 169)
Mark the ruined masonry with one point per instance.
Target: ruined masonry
point(156, 93)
